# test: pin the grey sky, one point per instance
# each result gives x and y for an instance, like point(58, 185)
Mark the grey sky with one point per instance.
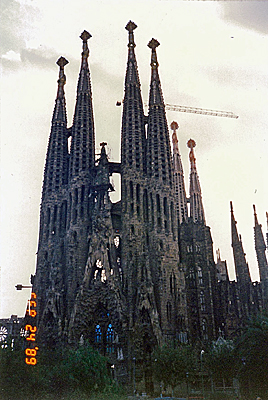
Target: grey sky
point(248, 14)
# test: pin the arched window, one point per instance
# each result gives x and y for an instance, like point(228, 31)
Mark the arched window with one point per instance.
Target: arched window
point(191, 277)
point(158, 210)
point(166, 215)
point(169, 312)
point(200, 275)
point(202, 301)
point(145, 206)
point(172, 283)
point(110, 339)
point(204, 329)
point(98, 334)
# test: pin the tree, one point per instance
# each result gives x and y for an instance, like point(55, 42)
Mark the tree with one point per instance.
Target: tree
point(220, 361)
point(252, 356)
point(56, 373)
point(172, 363)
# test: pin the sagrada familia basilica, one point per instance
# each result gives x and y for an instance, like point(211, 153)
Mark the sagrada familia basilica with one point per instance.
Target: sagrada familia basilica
point(138, 273)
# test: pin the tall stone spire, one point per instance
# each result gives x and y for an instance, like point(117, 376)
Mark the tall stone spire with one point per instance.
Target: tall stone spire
point(133, 127)
point(56, 172)
point(260, 248)
point(196, 204)
point(81, 176)
point(82, 156)
point(179, 177)
point(241, 266)
point(48, 280)
point(159, 153)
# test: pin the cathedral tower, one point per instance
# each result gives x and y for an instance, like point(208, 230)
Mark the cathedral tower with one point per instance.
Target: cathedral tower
point(260, 248)
point(168, 277)
point(50, 268)
point(182, 211)
point(153, 282)
point(198, 262)
point(196, 204)
point(241, 267)
point(81, 175)
point(133, 180)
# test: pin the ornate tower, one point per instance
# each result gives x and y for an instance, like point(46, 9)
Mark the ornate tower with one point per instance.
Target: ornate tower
point(260, 248)
point(241, 268)
point(196, 205)
point(168, 277)
point(182, 211)
point(133, 179)
point(81, 175)
point(198, 262)
point(50, 269)
point(153, 282)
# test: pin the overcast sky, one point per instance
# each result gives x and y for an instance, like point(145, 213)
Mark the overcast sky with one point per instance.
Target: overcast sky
point(213, 55)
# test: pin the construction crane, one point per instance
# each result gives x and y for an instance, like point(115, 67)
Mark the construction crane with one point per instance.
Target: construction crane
point(195, 110)
point(204, 111)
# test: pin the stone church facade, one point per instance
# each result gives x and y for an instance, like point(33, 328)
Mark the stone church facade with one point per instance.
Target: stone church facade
point(131, 275)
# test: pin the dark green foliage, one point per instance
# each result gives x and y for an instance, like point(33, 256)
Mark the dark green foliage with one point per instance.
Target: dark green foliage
point(57, 373)
point(220, 361)
point(172, 363)
point(252, 358)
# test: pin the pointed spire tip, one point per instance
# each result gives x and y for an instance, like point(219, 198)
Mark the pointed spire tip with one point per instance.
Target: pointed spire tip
point(174, 125)
point(130, 26)
point(85, 36)
point(62, 78)
point(191, 144)
point(61, 62)
point(85, 53)
point(153, 44)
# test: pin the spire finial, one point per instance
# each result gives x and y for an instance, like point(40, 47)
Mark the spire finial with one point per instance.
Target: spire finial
point(62, 78)
point(267, 219)
point(191, 144)
point(174, 126)
point(218, 254)
point(130, 28)
point(103, 144)
point(153, 44)
point(231, 207)
point(103, 151)
point(85, 36)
